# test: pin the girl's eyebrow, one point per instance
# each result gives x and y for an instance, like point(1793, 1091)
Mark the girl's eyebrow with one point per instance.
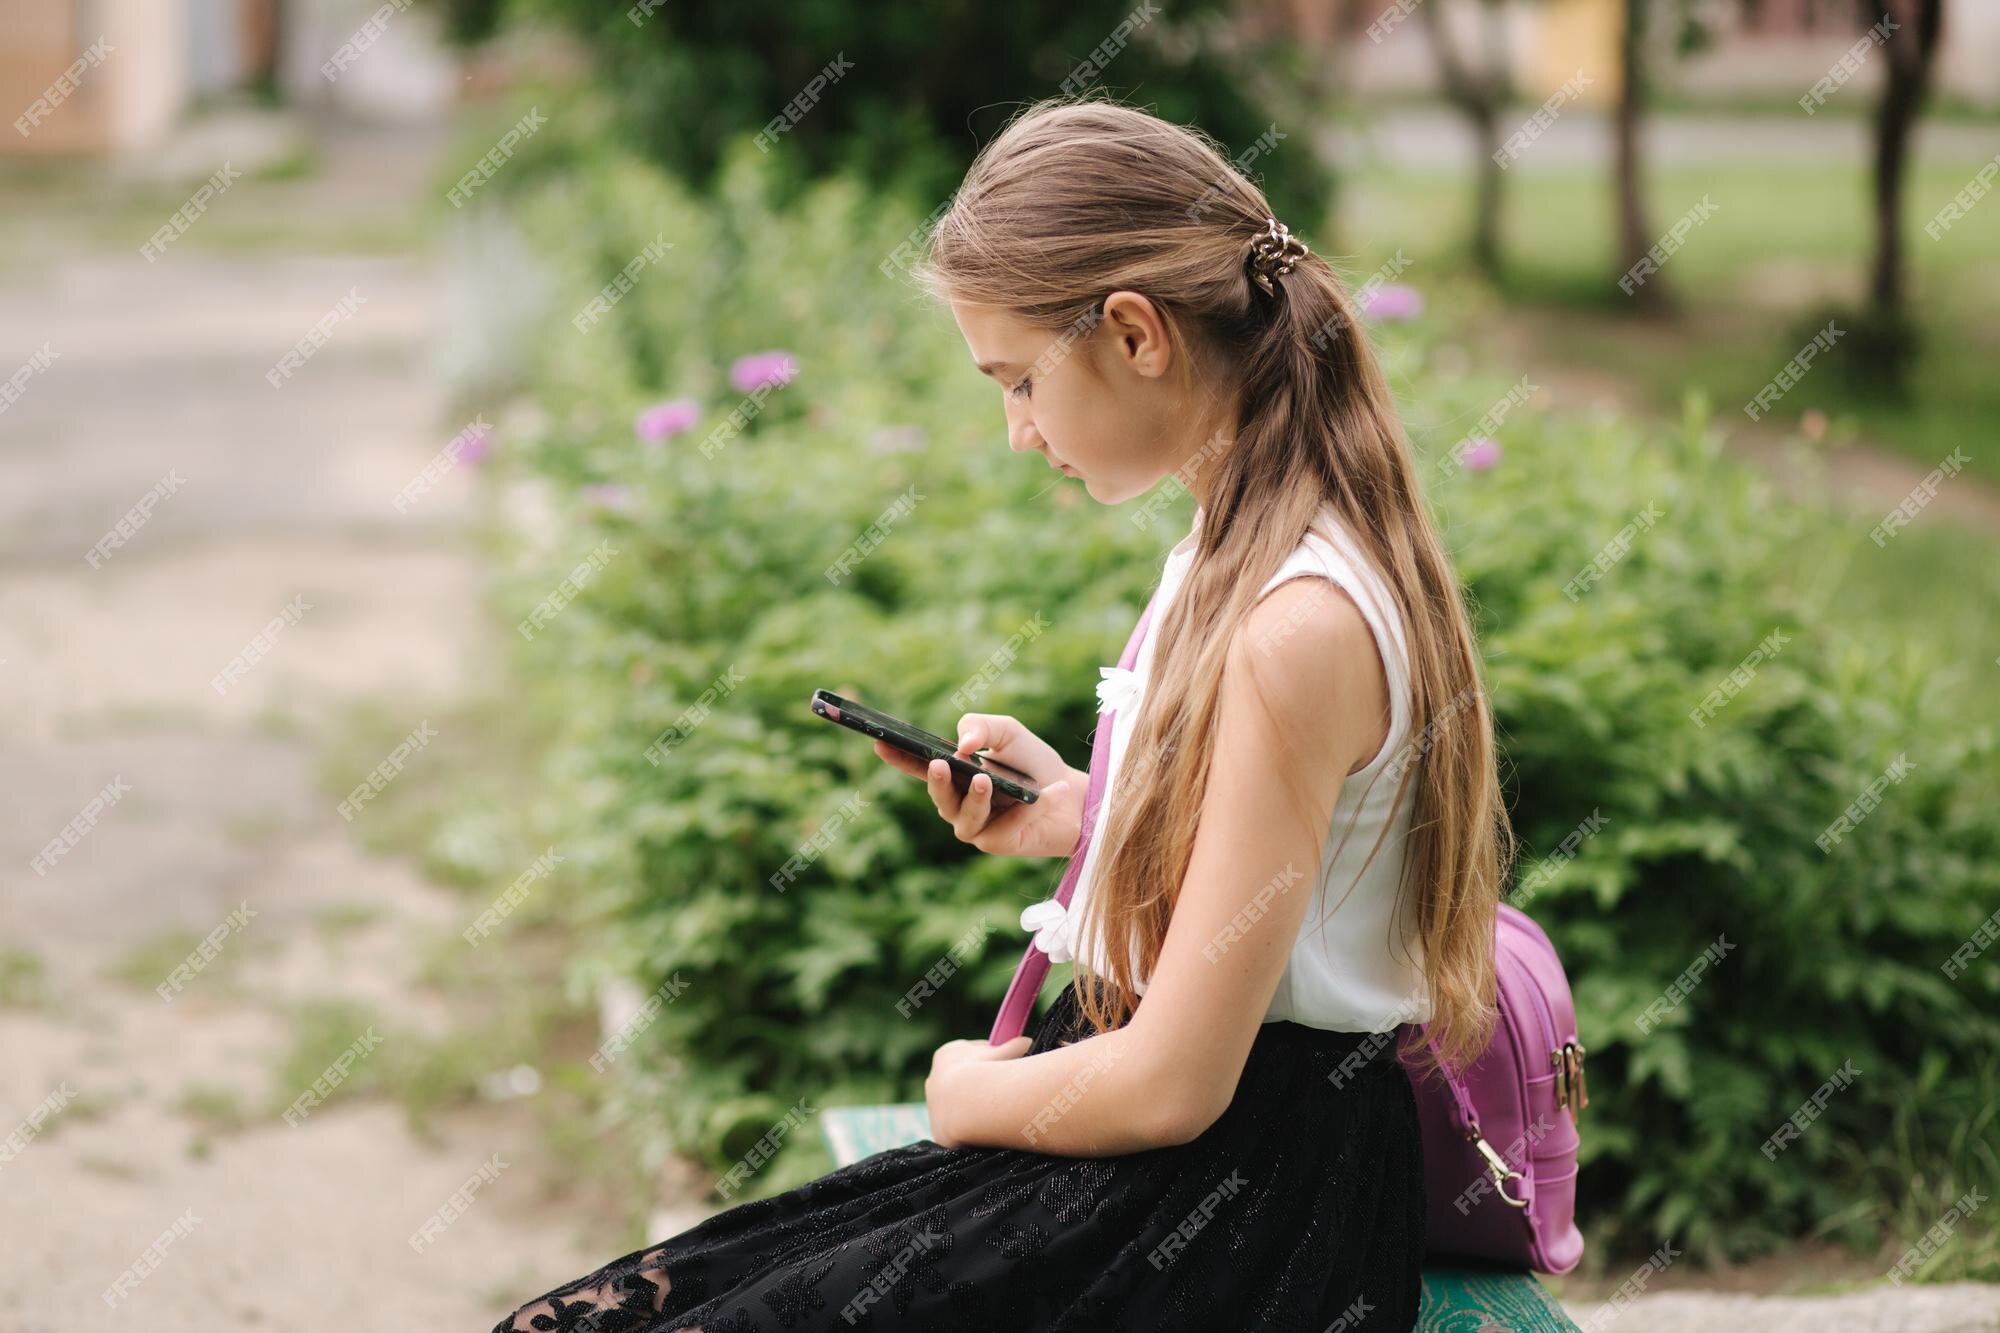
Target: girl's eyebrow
point(993, 367)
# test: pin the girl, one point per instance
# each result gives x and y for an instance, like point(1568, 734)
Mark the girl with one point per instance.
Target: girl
point(1241, 1149)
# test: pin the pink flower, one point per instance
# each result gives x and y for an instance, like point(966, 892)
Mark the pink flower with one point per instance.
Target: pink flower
point(664, 420)
point(608, 495)
point(474, 444)
point(1482, 453)
point(1392, 300)
point(762, 370)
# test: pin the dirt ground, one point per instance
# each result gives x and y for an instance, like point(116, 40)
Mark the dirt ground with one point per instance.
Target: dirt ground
point(143, 1203)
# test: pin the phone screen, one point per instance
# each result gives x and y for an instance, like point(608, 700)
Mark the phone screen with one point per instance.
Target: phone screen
point(915, 740)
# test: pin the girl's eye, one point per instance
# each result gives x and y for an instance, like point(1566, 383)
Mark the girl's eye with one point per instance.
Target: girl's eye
point(1024, 389)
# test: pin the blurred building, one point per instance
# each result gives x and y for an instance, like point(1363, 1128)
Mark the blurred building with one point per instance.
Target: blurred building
point(101, 77)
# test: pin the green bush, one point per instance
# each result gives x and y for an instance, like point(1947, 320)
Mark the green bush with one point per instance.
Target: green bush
point(713, 617)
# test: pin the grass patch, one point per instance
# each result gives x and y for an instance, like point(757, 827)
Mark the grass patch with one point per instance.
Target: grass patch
point(149, 963)
point(24, 981)
point(217, 1108)
point(345, 918)
point(1783, 239)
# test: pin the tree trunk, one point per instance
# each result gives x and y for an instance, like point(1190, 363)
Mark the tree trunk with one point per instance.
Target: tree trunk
point(1911, 55)
point(1635, 238)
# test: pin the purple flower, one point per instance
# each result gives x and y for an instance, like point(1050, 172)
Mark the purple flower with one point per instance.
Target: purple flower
point(1392, 300)
point(608, 495)
point(761, 370)
point(663, 420)
point(474, 444)
point(1482, 453)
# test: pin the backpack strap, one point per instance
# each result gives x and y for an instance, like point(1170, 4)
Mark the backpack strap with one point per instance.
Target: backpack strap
point(1034, 969)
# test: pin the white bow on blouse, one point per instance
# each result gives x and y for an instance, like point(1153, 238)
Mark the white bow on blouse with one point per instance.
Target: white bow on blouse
point(1118, 690)
point(1050, 922)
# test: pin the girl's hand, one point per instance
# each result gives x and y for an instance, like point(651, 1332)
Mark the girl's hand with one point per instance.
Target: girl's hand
point(1047, 826)
point(938, 1090)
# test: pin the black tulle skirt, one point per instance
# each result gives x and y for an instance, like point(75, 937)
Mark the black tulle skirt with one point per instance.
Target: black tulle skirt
point(1302, 1206)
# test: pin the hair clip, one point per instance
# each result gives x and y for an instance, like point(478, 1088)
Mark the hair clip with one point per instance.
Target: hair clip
point(1274, 253)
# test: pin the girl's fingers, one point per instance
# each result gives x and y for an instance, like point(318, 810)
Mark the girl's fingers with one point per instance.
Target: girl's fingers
point(943, 794)
point(898, 759)
point(977, 808)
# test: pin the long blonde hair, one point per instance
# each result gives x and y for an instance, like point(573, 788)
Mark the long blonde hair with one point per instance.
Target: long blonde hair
point(1079, 197)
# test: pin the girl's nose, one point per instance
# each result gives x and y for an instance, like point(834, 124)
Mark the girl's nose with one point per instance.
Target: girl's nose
point(1022, 437)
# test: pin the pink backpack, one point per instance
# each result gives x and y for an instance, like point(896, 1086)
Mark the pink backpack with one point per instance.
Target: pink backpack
point(1513, 1205)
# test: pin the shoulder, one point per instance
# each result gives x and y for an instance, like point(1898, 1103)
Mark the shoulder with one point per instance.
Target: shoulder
point(1305, 648)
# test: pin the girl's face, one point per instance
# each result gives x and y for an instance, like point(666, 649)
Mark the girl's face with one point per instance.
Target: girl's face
point(1097, 403)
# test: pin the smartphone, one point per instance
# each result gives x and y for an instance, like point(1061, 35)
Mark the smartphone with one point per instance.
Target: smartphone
point(1008, 783)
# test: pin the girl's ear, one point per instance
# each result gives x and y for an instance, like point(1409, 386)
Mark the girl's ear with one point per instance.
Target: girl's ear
point(1136, 334)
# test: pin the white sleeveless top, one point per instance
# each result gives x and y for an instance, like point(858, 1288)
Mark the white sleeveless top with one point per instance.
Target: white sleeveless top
point(1344, 974)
